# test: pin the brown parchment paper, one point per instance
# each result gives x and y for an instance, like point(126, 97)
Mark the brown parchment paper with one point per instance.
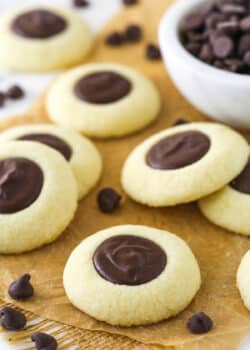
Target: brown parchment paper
point(69, 337)
point(218, 252)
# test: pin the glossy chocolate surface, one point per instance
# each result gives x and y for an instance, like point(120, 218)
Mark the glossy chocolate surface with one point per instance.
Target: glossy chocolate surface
point(50, 140)
point(21, 182)
point(179, 150)
point(129, 260)
point(38, 24)
point(242, 182)
point(102, 87)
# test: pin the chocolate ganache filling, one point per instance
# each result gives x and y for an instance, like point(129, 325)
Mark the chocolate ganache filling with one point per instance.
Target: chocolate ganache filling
point(52, 141)
point(38, 24)
point(102, 87)
point(242, 182)
point(179, 150)
point(21, 182)
point(129, 260)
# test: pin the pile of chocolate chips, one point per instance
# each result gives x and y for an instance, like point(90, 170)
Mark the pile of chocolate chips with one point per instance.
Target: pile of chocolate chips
point(218, 33)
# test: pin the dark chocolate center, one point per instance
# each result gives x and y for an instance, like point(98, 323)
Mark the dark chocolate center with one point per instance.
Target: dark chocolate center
point(242, 182)
point(21, 182)
point(51, 141)
point(102, 87)
point(38, 24)
point(129, 260)
point(178, 151)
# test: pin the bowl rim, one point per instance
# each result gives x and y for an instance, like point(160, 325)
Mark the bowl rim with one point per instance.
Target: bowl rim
point(169, 40)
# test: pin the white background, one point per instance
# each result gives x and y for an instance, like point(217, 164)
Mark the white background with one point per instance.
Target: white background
point(97, 14)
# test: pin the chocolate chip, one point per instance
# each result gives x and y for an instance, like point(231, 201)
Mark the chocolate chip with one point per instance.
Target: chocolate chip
point(129, 2)
point(15, 92)
point(219, 64)
point(228, 27)
point(153, 52)
point(223, 47)
point(200, 323)
point(115, 39)
point(21, 289)
point(2, 99)
point(244, 45)
point(247, 4)
point(212, 35)
point(247, 58)
point(179, 121)
point(108, 200)
point(133, 33)
point(80, 3)
point(12, 319)
point(245, 24)
point(44, 341)
point(232, 9)
point(194, 48)
point(234, 65)
point(212, 20)
point(195, 37)
point(207, 9)
point(192, 22)
point(206, 53)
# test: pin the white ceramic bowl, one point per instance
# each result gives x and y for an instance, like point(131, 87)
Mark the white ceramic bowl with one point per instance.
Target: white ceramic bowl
point(222, 95)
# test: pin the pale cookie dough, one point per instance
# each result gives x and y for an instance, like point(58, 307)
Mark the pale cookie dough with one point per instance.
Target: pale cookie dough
point(81, 153)
point(230, 206)
point(132, 275)
point(103, 100)
point(38, 196)
point(184, 163)
point(243, 279)
point(41, 38)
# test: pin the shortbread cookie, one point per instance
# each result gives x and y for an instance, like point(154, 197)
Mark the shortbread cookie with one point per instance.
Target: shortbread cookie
point(38, 196)
point(230, 206)
point(243, 279)
point(103, 100)
point(81, 153)
point(42, 39)
point(184, 163)
point(145, 275)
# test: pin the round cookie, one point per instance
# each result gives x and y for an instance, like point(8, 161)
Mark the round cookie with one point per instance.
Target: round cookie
point(42, 39)
point(183, 164)
point(243, 279)
point(103, 100)
point(38, 196)
point(230, 206)
point(136, 268)
point(81, 153)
